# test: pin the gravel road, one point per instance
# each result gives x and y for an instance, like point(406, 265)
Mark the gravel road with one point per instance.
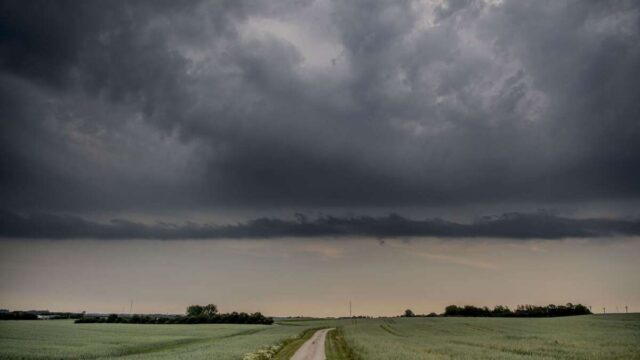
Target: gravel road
point(313, 349)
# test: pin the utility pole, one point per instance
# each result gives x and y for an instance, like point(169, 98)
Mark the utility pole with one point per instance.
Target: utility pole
point(131, 307)
point(604, 310)
point(626, 309)
point(353, 320)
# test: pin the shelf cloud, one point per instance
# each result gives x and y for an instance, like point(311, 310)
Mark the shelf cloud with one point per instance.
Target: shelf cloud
point(511, 226)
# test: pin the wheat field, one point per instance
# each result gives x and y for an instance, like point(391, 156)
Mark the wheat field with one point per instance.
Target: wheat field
point(577, 337)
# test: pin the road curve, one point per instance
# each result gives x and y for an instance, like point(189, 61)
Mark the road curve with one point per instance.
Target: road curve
point(313, 349)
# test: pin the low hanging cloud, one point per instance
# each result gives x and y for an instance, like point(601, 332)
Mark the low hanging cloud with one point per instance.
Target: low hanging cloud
point(513, 226)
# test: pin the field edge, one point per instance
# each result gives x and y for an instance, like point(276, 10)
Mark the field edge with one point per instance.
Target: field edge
point(337, 348)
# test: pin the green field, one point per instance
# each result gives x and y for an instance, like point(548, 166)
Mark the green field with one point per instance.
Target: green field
point(61, 339)
point(580, 337)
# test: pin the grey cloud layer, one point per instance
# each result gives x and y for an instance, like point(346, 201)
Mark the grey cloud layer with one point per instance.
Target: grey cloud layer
point(177, 104)
point(512, 226)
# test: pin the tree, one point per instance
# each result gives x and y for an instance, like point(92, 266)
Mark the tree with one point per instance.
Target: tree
point(210, 310)
point(409, 313)
point(194, 310)
point(452, 310)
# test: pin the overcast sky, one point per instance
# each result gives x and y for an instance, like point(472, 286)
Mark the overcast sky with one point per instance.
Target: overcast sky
point(505, 119)
point(178, 105)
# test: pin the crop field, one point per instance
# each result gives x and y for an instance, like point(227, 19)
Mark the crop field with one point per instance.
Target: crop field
point(578, 337)
point(62, 339)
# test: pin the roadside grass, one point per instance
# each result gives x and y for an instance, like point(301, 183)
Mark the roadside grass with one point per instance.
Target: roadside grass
point(336, 347)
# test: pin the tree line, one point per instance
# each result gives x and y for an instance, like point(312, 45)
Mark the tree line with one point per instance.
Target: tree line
point(196, 314)
point(521, 310)
point(503, 311)
point(18, 315)
point(37, 314)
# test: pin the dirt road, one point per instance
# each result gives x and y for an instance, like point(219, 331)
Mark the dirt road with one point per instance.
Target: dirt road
point(313, 349)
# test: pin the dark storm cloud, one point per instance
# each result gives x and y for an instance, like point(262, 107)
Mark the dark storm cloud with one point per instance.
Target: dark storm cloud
point(512, 226)
point(170, 105)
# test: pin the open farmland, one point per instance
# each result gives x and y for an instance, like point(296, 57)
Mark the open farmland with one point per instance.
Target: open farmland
point(61, 339)
point(578, 337)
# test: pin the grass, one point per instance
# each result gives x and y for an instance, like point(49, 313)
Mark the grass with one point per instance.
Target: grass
point(60, 339)
point(336, 347)
point(579, 337)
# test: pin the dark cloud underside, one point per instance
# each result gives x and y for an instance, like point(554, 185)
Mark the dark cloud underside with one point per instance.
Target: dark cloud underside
point(513, 226)
point(170, 105)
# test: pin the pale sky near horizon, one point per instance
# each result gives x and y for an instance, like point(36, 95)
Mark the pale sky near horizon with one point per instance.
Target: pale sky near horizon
point(316, 277)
